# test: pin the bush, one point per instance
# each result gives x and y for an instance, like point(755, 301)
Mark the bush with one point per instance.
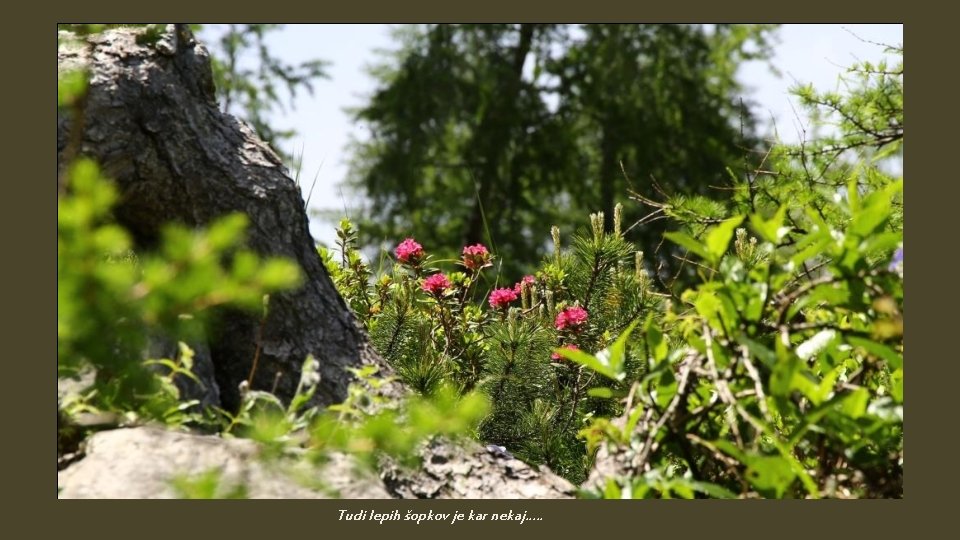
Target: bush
point(113, 300)
point(774, 368)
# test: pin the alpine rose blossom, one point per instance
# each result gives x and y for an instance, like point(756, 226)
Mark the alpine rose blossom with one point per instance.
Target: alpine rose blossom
point(501, 297)
point(570, 346)
point(526, 279)
point(572, 317)
point(409, 251)
point(436, 284)
point(476, 256)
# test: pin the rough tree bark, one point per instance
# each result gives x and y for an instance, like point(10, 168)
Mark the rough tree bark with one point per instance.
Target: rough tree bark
point(151, 120)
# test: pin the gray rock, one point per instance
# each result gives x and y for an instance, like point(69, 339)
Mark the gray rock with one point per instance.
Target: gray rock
point(469, 471)
point(151, 120)
point(140, 463)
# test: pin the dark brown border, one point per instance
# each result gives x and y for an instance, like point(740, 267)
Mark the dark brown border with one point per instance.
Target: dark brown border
point(29, 262)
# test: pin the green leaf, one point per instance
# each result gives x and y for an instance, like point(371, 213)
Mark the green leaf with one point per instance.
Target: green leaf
point(226, 231)
point(687, 241)
point(611, 490)
point(600, 392)
point(167, 363)
point(869, 218)
point(874, 211)
point(888, 150)
point(878, 349)
point(708, 304)
point(759, 351)
point(633, 419)
point(730, 449)
point(279, 273)
point(896, 385)
point(853, 193)
point(811, 246)
point(769, 473)
point(855, 404)
point(244, 265)
point(617, 351)
point(825, 388)
point(206, 485)
point(881, 242)
point(608, 362)
point(781, 380)
point(656, 343)
point(804, 382)
point(770, 230)
point(589, 361)
point(718, 239)
point(666, 388)
point(111, 239)
point(712, 490)
point(757, 296)
point(70, 85)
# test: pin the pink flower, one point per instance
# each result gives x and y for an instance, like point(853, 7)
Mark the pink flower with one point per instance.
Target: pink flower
point(409, 251)
point(436, 284)
point(570, 346)
point(526, 279)
point(499, 298)
point(476, 257)
point(572, 317)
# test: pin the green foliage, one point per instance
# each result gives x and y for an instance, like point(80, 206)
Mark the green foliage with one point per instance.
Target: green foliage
point(397, 432)
point(770, 366)
point(250, 80)
point(796, 337)
point(150, 34)
point(207, 485)
point(775, 369)
point(609, 362)
point(262, 417)
point(111, 299)
point(70, 85)
point(472, 145)
point(506, 351)
point(655, 484)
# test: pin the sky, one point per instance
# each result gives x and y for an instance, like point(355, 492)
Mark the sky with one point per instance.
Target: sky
point(813, 53)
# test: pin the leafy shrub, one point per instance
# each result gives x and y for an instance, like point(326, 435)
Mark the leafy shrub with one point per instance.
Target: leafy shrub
point(430, 327)
point(111, 300)
point(773, 369)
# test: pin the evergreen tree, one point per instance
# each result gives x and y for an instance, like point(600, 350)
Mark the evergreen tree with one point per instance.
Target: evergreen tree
point(488, 133)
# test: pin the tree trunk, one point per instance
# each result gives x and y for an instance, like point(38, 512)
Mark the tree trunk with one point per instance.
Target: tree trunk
point(152, 122)
point(492, 137)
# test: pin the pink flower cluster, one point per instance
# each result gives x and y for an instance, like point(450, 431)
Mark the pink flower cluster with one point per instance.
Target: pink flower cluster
point(572, 317)
point(526, 279)
point(570, 346)
point(409, 251)
point(500, 298)
point(476, 257)
point(436, 284)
